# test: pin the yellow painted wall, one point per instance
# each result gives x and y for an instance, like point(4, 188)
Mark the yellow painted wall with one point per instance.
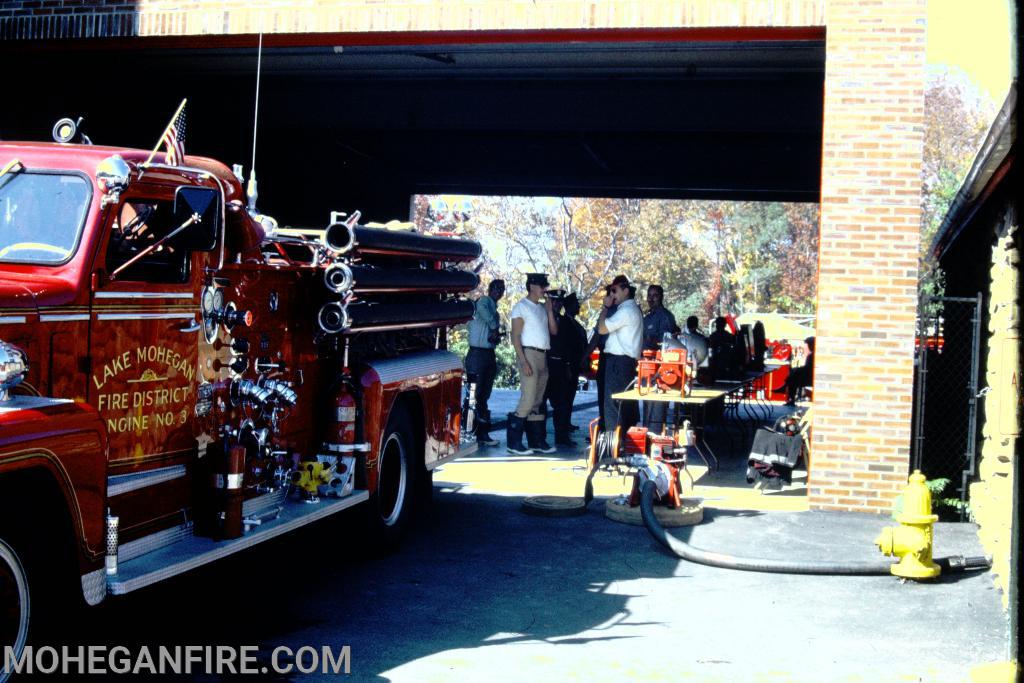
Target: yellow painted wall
point(992, 494)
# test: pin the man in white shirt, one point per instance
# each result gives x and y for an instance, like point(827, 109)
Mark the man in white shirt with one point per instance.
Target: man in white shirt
point(533, 323)
point(625, 329)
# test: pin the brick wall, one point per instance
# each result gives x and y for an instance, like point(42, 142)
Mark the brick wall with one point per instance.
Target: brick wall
point(62, 19)
point(867, 277)
point(40, 19)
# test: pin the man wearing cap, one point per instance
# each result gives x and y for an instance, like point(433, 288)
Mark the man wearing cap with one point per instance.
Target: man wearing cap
point(481, 363)
point(563, 366)
point(533, 323)
point(625, 329)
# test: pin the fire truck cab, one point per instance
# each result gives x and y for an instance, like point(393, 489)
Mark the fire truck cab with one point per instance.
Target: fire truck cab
point(181, 379)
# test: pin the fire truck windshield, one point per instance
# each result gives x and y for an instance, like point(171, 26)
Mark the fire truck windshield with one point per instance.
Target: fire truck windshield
point(41, 216)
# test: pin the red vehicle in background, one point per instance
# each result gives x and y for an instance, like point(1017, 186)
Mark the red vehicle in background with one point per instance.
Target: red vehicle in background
point(932, 343)
point(780, 350)
point(181, 380)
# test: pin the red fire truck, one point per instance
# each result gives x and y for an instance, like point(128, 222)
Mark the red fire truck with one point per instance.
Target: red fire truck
point(180, 379)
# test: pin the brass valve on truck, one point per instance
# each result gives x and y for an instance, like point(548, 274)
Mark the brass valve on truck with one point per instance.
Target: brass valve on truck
point(912, 541)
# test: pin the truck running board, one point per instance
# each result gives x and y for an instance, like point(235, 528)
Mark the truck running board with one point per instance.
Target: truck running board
point(195, 551)
point(464, 450)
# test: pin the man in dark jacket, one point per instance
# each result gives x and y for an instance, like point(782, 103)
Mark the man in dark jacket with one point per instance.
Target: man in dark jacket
point(722, 350)
point(658, 322)
point(597, 341)
point(481, 363)
point(799, 377)
point(572, 310)
point(564, 359)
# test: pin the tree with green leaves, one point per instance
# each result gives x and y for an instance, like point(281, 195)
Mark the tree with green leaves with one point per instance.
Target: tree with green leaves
point(711, 258)
point(956, 118)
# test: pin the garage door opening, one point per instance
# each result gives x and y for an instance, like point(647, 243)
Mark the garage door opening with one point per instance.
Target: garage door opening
point(751, 261)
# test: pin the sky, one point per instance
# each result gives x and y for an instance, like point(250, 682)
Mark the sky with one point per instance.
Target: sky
point(978, 37)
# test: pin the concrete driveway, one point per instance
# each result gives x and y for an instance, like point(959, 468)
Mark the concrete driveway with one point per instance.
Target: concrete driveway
point(482, 591)
point(485, 592)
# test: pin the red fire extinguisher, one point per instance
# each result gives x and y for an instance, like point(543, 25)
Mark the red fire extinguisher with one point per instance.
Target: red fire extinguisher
point(228, 483)
point(341, 427)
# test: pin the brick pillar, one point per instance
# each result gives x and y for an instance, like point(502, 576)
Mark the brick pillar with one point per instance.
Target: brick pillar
point(867, 278)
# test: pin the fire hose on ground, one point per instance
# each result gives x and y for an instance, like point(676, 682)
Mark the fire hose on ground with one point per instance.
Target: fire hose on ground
point(681, 549)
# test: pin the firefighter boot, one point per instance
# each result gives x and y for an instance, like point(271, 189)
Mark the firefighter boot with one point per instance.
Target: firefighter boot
point(536, 430)
point(514, 436)
point(483, 429)
point(565, 440)
point(563, 436)
point(563, 429)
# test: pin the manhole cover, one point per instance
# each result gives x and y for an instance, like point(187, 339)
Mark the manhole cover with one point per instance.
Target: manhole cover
point(554, 506)
point(692, 512)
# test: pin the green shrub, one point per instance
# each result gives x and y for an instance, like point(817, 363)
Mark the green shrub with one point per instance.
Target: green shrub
point(948, 509)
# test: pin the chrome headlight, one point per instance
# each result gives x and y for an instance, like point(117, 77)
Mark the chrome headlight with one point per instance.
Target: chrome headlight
point(13, 368)
point(113, 174)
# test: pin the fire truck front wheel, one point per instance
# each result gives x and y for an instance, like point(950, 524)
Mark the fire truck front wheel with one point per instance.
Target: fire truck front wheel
point(14, 603)
point(391, 503)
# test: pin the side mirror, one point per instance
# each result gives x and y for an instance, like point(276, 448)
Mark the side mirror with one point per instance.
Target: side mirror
point(204, 202)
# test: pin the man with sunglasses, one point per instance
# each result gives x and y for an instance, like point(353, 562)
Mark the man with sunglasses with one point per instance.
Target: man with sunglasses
point(622, 349)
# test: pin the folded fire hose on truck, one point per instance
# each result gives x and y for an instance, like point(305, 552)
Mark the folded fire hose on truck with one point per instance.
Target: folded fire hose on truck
point(681, 549)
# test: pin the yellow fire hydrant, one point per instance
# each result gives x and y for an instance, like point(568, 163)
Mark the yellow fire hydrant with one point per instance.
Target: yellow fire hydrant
point(912, 542)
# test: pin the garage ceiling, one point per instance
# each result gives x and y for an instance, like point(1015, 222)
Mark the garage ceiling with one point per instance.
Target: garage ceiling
point(347, 124)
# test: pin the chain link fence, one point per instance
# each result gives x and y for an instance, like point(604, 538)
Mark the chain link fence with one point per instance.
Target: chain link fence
point(946, 393)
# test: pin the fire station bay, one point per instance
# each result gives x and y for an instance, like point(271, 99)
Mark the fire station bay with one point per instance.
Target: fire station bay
point(195, 360)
